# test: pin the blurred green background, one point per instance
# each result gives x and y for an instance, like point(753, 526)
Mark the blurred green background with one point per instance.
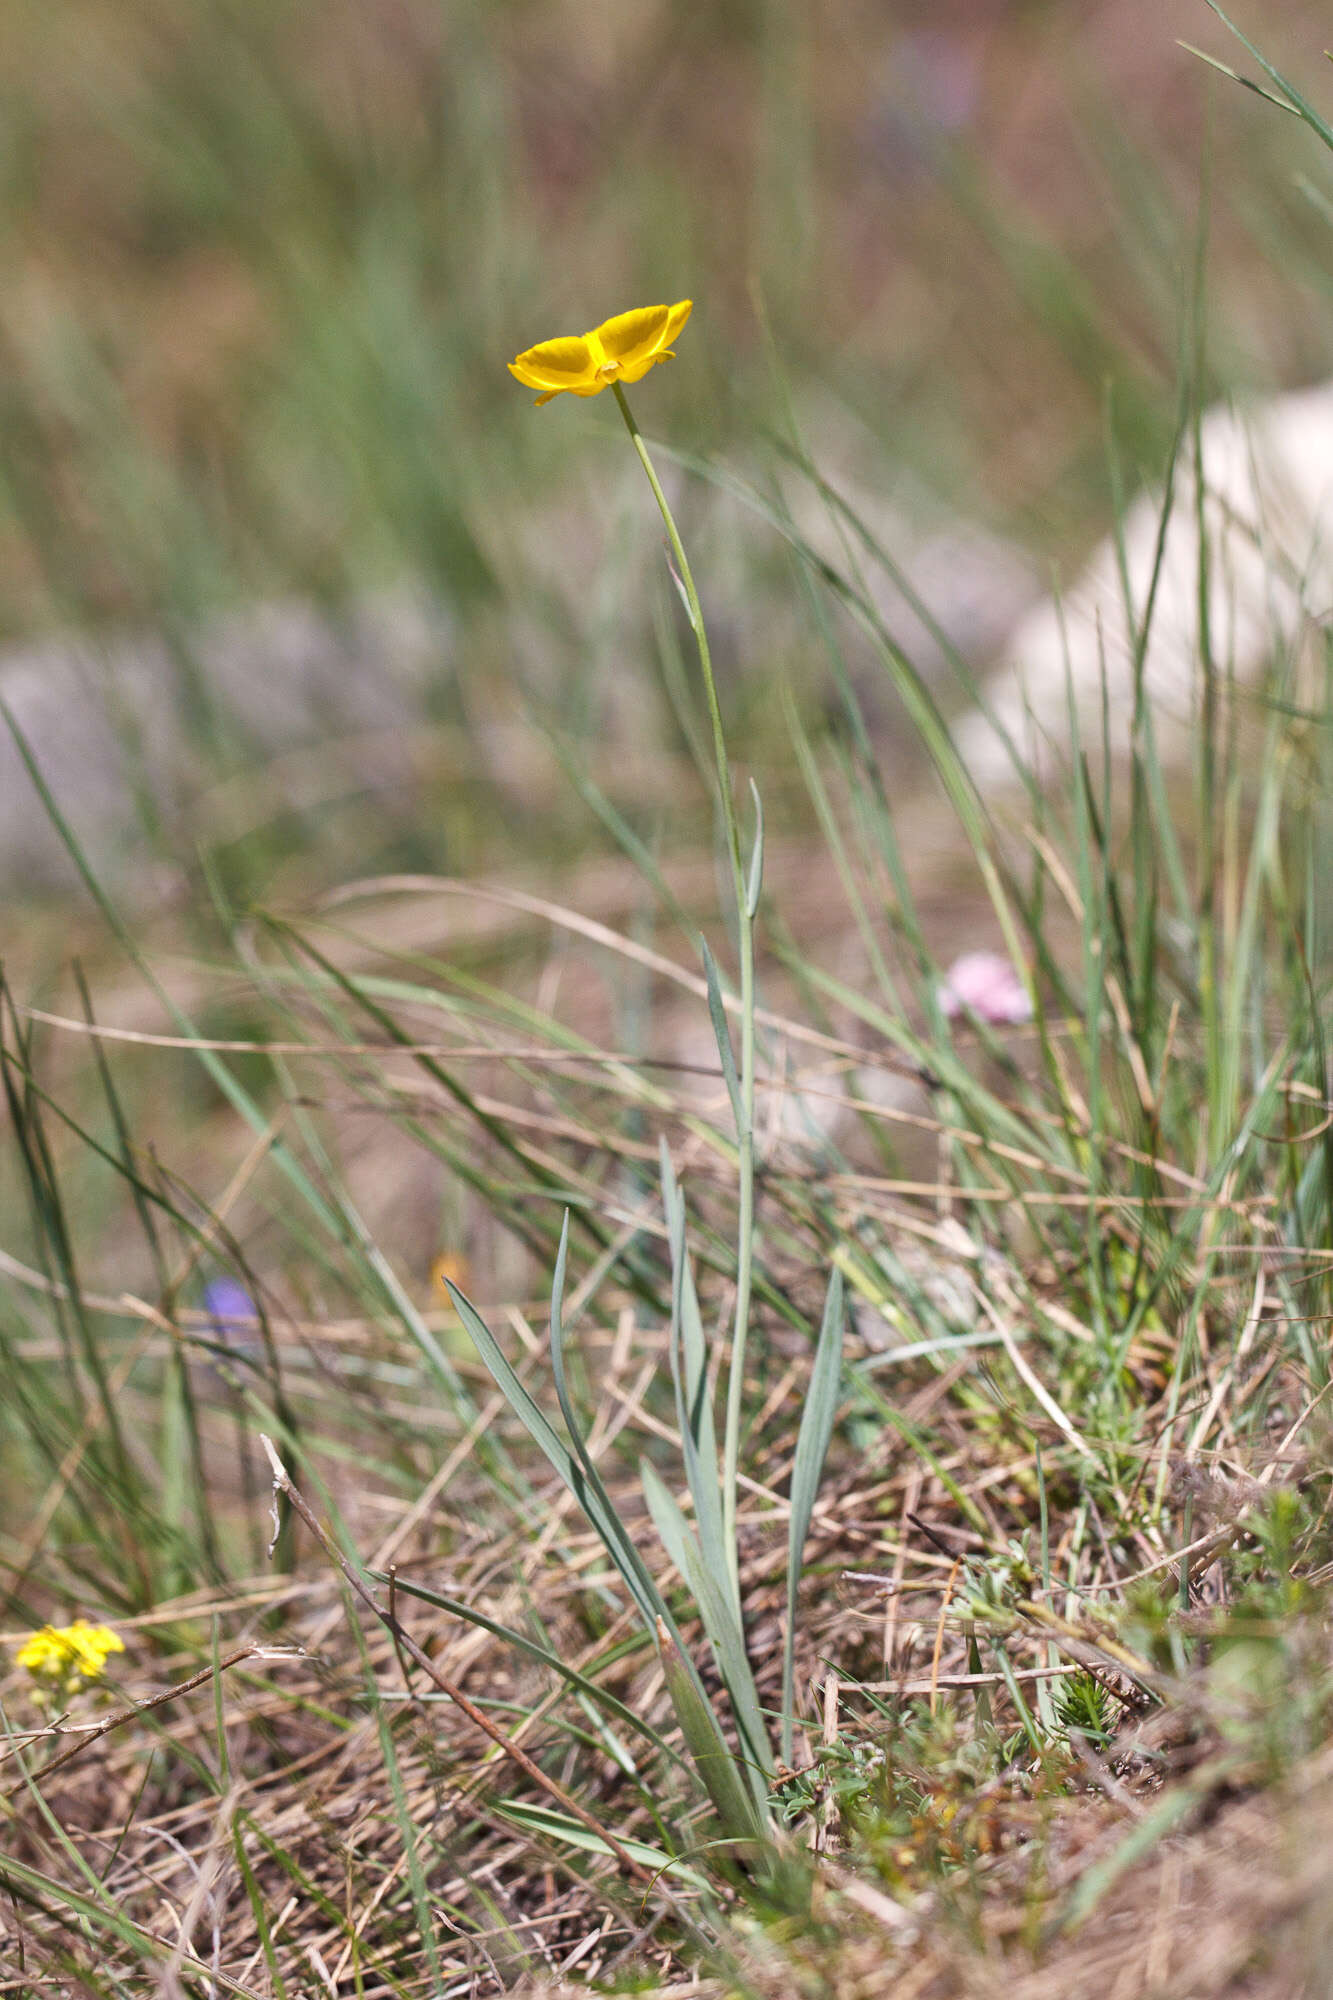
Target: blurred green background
point(265, 263)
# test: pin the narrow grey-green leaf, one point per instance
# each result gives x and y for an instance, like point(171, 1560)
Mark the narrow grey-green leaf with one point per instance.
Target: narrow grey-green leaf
point(1299, 104)
point(1246, 82)
point(688, 1349)
point(722, 1033)
point(590, 1495)
point(579, 1475)
point(583, 1684)
point(754, 887)
point(732, 1798)
point(709, 1590)
point(699, 1435)
point(1159, 1820)
point(619, 1543)
point(559, 1826)
point(812, 1443)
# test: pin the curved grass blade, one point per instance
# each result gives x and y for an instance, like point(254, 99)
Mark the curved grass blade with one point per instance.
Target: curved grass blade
point(717, 1014)
point(582, 1684)
point(812, 1445)
point(591, 1496)
point(688, 1349)
point(588, 1480)
point(709, 1590)
point(717, 1768)
point(1294, 100)
point(578, 1472)
point(754, 884)
point(558, 1826)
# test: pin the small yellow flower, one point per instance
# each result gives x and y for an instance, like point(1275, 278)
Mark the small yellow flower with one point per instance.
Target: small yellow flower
point(622, 349)
point(451, 1266)
point(62, 1657)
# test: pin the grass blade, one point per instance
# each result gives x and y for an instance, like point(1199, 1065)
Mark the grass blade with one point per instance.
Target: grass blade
point(717, 1768)
point(719, 1618)
point(1300, 105)
point(717, 1014)
point(558, 1826)
point(582, 1683)
point(589, 1493)
point(812, 1443)
point(689, 1366)
point(754, 881)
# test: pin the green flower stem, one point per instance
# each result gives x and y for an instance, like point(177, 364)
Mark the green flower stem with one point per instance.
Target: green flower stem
point(686, 576)
point(745, 941)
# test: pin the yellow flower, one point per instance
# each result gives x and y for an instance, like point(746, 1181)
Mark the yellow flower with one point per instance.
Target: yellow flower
point(622, 349)
point(450, 1266)
point(67, 1654)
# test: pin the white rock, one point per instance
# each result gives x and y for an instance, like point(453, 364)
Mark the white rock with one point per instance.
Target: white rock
point(1268, 521)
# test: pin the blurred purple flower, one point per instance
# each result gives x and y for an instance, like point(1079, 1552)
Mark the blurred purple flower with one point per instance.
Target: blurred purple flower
point(985, 984)
point(231, 1310)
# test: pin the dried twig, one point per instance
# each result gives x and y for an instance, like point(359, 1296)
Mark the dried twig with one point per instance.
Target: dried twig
point(124, 1715)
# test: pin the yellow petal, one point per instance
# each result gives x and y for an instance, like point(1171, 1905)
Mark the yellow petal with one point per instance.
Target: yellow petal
point(634, 371)
point(555, 365)
point(632, 337)
point(37, 1652)
point(676, 319)
point(575, 389)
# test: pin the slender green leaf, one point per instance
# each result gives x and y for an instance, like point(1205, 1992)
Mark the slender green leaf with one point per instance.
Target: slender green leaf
point(1246, 82)
point(709, 1590)
point(733, 1799)
point(1160, 1819)
point(717, 1014)
point(812, 1443)
point(572, 1832)
point(754, 884)
point(589, 1493)
point(1301, 105)
point(689, 1367)
point(582, 1683)
point(579, 1475)
point(255, 1898)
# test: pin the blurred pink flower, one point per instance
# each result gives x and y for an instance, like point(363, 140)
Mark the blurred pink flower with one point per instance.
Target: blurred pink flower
point(985, 984)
